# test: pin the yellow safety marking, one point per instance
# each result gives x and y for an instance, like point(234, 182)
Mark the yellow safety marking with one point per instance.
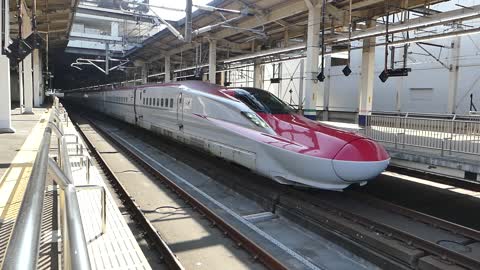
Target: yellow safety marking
point(20, 168)
point(14, 182)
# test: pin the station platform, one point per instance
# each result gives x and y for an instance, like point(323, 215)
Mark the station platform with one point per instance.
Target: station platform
point(17, 154)
point(110, 246)
point(450, 164)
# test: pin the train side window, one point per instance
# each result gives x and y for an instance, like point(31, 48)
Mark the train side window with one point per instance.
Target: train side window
point(166, 102)
point(158, 102)
point(140, 95)
point(171, 103)
point(161, 102)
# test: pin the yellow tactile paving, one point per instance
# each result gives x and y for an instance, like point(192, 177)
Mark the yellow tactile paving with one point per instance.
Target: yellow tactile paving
point(117, 248)
point(15, 180)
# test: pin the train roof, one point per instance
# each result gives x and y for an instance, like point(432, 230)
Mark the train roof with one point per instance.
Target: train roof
point(196, 85)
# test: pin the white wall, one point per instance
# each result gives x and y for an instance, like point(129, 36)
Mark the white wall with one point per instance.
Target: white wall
point(415, 95)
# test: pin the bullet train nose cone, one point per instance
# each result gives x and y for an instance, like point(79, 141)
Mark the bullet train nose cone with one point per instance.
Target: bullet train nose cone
point(355, 171)
point(360, 160)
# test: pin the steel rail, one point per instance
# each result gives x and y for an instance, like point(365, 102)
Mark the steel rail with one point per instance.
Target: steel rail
point(167, 255)
point(22, 252)
point(412, 214)
point(242, 241)
point(413, 240)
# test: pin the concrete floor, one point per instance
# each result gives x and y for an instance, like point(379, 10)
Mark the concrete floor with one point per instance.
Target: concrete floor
point(17, 154)
point(10, 143)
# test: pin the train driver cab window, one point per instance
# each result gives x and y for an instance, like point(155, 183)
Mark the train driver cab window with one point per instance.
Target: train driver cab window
point(166, 102)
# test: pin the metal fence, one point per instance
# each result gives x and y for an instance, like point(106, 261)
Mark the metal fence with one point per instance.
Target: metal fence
point(23, 248)
point(446, 133)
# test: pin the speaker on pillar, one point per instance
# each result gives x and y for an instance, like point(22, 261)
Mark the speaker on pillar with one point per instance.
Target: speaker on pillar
point(346, 71)
point(383, 76)
point(321, 76)
point(35, 41)
point(18, 50)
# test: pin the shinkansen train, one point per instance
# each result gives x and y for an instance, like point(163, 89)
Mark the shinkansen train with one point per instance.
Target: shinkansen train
point(247, 126)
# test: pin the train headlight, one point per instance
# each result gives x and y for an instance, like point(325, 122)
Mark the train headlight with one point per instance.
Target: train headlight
point(255, 119)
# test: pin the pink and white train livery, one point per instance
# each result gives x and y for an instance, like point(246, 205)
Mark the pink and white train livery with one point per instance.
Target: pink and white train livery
point(248, 126)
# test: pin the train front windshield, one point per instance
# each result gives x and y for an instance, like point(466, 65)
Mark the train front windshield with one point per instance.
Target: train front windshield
point(262, 101)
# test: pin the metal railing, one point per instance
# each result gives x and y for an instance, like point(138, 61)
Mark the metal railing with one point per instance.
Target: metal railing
point(23, 248)
point(446, 133)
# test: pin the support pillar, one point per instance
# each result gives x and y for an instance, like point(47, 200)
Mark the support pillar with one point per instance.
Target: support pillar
point(143, 72)
point(300, 86)
point(222, 78)
point(312, 87)
point(37, 79)
point(5, 95)
point(28, 84)
point(453, 75)
point(20, 86)
point(326, 87)
point(212, 61)
point(258, 75)
point(400, 83)
point(167, 69)
point(5, 99)
point(26, 30)
point(114, 29)
point(366, 78)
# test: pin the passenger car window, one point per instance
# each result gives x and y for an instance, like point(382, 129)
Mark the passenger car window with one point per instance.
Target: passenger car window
point(166, 102)
point(161, 104)
point(171, 103)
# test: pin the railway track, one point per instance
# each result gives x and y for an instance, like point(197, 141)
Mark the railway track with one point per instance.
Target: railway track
point(390, 236)
point(167, 255)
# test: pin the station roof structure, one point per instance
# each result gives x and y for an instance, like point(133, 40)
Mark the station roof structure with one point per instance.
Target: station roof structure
point(264, 24)
point(53, 17)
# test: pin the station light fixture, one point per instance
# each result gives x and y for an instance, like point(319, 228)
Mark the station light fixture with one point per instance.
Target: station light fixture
point(275, 80)
point(397, 72)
